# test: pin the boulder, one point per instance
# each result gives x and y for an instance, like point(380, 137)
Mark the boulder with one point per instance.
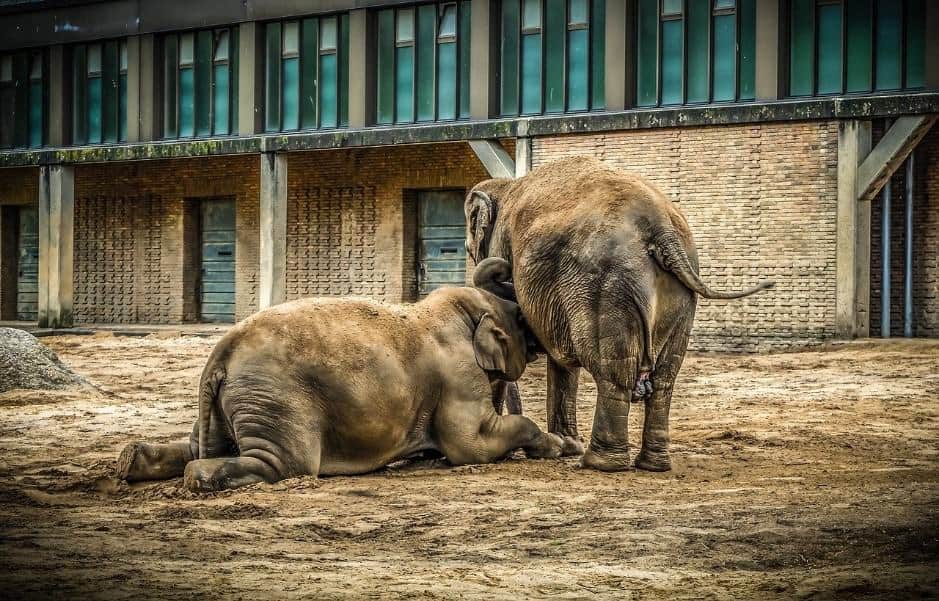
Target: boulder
point(26, 363)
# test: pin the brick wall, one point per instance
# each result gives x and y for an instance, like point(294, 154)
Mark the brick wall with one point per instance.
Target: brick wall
point(761, 203)
point(17, 187)
point(350, 216)
point(134, 235)
point(925, 244)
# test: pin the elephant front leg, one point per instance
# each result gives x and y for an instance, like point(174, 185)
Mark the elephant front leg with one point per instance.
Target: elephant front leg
point(141, 461)
point(562, 400)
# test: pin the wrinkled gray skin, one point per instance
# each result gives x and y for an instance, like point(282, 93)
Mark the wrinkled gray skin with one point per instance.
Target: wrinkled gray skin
point(605, 269)
point(347, 386)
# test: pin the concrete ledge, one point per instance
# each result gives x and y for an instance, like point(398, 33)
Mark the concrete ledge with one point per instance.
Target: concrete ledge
point(684, 116)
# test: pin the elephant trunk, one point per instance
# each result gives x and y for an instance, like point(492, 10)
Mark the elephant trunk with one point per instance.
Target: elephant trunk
point(494, 275)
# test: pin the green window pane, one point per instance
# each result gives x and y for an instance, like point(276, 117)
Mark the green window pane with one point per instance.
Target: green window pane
point(329, 84)
point(221, 117)
point(747, 76)
point(21, 101)
point(291, 94)
point(170, 69)
point(343, 67)
point(510, 53)
point(234, 78)
point(889, 48)
point(802, 48)
point(404, 84)
point(673, 7)
point(699, 18)
point(404, 28)
point(598, 54)
point(328, 34)
point(829, 49)
point(446, 81)
point(187, 103)
point(578, 72)
point(555, 37)
point(122, 109)
point(447, 24)
point(426, 46)
point(386, 70)
point(272, 78)
point(719, 4)
point(35, 113)
point(725, 59)
point(915, 43)
point(202, 73)
point(79, 132)
point(858, 45)
point(463, 42)
point(672, 49)
point(309, 64)
point(93, 96)
point(577, 12)
point(110, 68)
point(531, 73)
point(531, 14)
point(647, 53)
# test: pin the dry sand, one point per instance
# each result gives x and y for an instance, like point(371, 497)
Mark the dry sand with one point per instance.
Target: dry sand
point(804, 475)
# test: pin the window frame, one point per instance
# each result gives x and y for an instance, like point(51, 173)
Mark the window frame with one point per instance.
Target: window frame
point(19, 90)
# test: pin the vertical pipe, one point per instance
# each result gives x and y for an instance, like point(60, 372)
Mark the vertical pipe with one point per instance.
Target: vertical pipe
point(908, 251)
point(885, 261)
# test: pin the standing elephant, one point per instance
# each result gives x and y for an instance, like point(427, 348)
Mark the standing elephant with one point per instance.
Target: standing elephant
point(605, 270)
point(342, 386)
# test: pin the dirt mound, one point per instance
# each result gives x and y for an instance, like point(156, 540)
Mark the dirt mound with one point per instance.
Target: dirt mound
point(25, 363)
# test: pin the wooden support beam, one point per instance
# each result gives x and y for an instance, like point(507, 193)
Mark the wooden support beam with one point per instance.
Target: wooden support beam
point(494, 158)
point(890, 152)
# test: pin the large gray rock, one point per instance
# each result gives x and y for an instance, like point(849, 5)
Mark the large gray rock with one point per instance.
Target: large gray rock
point(26, 363)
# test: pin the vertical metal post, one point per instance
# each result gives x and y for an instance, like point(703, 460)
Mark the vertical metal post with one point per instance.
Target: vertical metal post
point(908, 252)
point(885, 261)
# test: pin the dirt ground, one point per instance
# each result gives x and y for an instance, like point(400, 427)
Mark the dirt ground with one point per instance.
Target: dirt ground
point(808, 475)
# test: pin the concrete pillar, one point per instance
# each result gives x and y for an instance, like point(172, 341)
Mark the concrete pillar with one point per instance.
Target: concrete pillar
point(853, 243)
point(58, 125)
point(932, 46)
point(361, 70)
point(134, 116)
point(483, 54)
point(56, 227)
point(768, 73)
point(522, 150)
point(250, 79)
point(617, 83)
point(273, 218)
point(149, 108)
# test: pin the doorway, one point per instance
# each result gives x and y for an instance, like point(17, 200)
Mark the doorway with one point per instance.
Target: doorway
point(217, 245)
point(27, 265)
point(440, 240)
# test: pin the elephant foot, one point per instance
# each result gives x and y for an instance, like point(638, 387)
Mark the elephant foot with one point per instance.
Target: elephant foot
point(141, 461)
point(572, 446)
point(126, 463)
point(549, 446)
point(605, 461)
point(653, 461)
point(643, 386)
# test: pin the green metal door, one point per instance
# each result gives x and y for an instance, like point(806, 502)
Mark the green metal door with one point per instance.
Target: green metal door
point(217, 292)
point(27, 266)
point(441, 232)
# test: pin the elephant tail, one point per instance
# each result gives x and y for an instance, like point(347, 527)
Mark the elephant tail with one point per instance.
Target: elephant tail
point(212, 379)
point(670, 254)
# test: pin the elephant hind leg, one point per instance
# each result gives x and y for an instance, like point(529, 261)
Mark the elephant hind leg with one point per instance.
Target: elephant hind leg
point(141, 461)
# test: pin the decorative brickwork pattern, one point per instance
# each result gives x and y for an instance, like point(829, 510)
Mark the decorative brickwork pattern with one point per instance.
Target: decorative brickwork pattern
point(761, 202)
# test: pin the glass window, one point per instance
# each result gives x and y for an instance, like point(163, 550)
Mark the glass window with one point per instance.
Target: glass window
point(405, 28)
point(6, 68)
point(446, 28)
point(671, 8)
point(221, 46)
point(221, 82)
point(577, 13)
point(186, 50)
point(291, 39)
point(328, 34)
point(94, 60)
point(531, 15)
point(721, 4)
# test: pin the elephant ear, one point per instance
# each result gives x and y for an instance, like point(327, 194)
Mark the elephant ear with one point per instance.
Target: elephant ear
point(491, 345)
point(479, 215)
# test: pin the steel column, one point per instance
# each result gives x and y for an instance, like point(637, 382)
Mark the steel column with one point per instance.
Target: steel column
point(908, 252)
point(885, 261)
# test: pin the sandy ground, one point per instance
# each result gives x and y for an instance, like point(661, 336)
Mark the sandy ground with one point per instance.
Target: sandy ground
point(805, 475)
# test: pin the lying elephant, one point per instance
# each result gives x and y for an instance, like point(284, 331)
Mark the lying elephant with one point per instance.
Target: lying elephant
point(348, 386)
point(605, 269)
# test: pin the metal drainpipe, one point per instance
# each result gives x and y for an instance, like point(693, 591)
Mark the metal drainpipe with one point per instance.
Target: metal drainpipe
point(885, 261)
point(908, 262)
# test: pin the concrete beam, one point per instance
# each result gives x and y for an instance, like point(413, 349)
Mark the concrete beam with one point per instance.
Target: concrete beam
point(852, 254)
point(494, 158)
point(58, 125)
point(768, 80)
point(890, 152)
point(250, 79)
point(616, 60)
point(361, 69)
point(273, 218)
point(133, 89)
point(56, 236)
point(483, 53)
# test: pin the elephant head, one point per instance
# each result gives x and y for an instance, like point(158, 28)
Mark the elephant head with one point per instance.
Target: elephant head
point(501, 341)
point(480, 208)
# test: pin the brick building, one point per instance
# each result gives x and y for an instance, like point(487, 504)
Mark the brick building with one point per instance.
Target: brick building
point(171, 162)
